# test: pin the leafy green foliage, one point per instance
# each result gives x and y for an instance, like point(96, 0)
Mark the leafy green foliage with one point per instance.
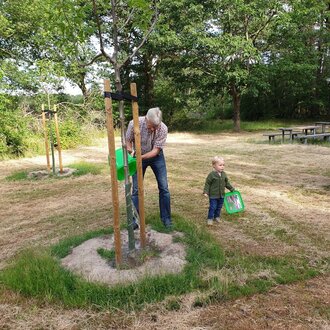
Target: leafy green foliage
point(12, 128)
point(211, 60)
point(70, 134)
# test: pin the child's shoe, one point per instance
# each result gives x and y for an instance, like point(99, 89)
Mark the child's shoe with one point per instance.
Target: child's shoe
point(209, 222)
point(217, 220)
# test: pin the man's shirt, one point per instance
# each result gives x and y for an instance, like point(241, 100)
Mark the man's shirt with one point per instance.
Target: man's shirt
point(149, 140)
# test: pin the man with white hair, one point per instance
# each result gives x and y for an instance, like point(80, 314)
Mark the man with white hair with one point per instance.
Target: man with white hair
point(153, 138)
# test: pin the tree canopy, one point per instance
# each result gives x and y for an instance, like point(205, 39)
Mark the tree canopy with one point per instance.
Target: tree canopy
point(195, 59)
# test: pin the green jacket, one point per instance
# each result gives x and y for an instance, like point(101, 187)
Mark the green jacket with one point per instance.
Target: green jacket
point(215, 185)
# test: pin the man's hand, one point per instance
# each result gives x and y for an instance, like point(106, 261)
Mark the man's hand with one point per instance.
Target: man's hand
point(131, 152)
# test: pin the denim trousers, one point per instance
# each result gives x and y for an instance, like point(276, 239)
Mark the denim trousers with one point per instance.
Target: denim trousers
point(215, 208)
point(158, 166)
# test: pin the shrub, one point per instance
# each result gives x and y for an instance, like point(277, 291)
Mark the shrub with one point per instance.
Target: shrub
point(13, 128)
point(70, 133)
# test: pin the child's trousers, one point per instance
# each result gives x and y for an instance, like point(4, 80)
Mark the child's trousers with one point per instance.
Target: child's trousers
point(215, 208)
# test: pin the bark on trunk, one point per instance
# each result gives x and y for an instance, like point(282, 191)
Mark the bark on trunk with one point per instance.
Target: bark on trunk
point(236, 108)
point(149, 81)
point(129, 213)
point(83, 87)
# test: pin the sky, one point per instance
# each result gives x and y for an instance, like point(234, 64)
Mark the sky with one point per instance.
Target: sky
point(72, 90)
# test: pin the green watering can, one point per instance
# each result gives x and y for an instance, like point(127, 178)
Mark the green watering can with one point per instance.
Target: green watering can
point(120, 164)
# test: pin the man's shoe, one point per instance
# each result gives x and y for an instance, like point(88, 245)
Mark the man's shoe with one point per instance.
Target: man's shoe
point(169, 227)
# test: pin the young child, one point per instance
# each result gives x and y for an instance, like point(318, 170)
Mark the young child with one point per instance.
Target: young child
point(214, 188)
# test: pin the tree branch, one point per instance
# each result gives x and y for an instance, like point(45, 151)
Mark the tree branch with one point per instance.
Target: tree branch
point(255, 35)
point(127, 20)
point(115, 31)
point(98, 23)
point(152, 26)
point(92, 60)
point(3, 50)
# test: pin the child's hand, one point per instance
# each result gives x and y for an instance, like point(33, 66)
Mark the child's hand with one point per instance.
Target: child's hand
point(206, 195)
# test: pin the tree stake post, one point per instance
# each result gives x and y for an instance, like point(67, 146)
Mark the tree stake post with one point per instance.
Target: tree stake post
point(45, 136)
point(58, 140)
point(113, 172)
point(137, 139)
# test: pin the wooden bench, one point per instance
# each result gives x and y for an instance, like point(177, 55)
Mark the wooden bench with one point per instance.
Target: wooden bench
point(324, 125)
point(271, 136)
point(304, 138)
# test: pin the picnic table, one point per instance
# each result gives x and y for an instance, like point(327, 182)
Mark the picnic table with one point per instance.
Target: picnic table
point(286, 130)
point(304, 138)
point(310, 132)
point(323, 124)
point(310, 129)
point(306, 130)
point(301, 132)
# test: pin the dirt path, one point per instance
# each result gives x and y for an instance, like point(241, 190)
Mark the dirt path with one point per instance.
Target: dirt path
point(286, 190)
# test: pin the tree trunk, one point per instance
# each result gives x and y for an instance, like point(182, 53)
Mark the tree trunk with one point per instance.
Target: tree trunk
point(149, 80)
point(129, 211)
point(236, 107)
point(82, 86)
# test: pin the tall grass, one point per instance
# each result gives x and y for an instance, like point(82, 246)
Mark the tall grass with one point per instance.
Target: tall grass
point(85, 168)
point(39, 274)
point(18, 176)
point(64, 247)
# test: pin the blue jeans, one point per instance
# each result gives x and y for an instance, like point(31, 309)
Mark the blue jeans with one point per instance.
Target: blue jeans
point(215, 208)
point(158, 166)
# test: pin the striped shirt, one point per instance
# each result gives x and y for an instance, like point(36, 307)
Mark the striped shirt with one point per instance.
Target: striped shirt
point(149, 140)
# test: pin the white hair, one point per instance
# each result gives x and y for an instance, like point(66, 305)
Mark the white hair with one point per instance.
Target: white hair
point(154, 116)
point(217, 159)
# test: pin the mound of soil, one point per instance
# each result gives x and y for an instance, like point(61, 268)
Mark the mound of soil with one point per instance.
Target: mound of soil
point(161, 256)
point(44, 173)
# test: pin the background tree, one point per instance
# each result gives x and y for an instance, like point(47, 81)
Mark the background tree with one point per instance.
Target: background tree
point(205, 60)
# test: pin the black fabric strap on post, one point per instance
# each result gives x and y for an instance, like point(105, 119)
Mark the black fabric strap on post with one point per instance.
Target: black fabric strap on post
point(119, 96)
point(49, 111)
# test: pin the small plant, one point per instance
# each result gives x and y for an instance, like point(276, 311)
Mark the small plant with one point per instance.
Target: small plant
point(108, 255)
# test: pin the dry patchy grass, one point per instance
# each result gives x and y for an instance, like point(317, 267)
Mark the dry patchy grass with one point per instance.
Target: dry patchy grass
point(286, 193)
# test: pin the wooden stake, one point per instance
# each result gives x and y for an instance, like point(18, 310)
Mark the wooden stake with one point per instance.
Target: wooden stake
point(59, 149)
point(113, 172)
point(45, 136)
point(137, 139)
